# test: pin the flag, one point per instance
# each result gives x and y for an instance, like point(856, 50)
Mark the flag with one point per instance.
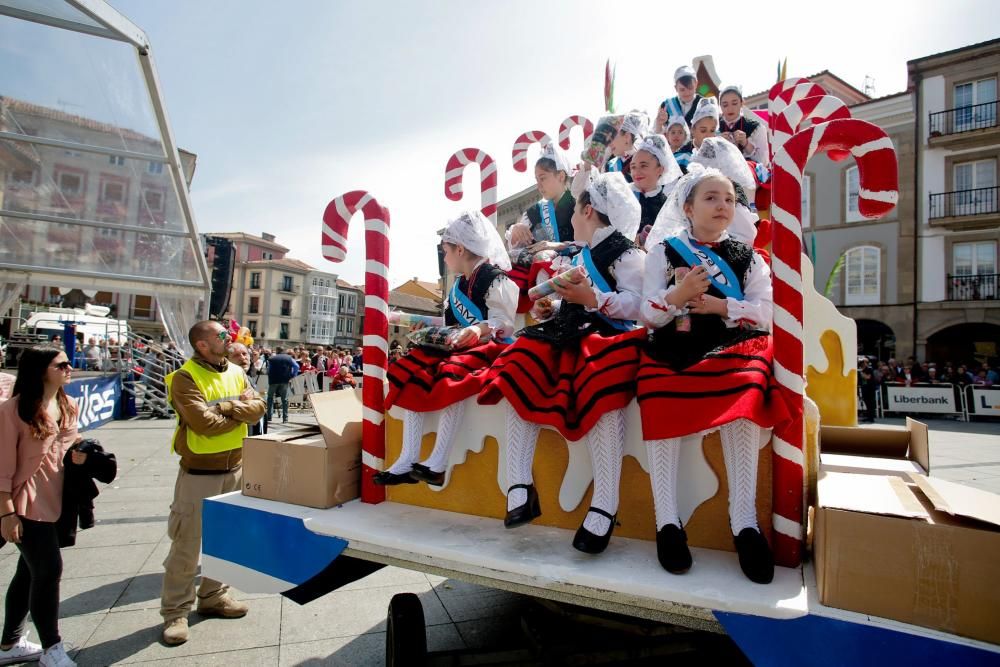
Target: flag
point(609, 87)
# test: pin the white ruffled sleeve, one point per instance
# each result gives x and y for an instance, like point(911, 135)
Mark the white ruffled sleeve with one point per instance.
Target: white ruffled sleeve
point(757, 306)
point(757, 148)
point(654, 310)
point(580, 181)
point(501, 300)
point(623, 304)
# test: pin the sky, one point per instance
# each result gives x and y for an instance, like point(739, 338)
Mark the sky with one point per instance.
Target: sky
point(289, 104)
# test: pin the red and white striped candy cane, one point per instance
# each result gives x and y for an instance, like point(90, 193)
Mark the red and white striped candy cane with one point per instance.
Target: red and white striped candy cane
point(376, 328)
point(805, 112)
point(569, 124)
point(487, 178)
point(878, 194)
point(520, 152)
point(779, 102)
point(785, 84)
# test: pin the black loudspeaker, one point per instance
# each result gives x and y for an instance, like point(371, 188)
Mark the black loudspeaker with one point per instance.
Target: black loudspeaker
point(223, 263)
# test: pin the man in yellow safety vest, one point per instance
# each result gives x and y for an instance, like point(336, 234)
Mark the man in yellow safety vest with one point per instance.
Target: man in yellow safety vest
point(214, 404)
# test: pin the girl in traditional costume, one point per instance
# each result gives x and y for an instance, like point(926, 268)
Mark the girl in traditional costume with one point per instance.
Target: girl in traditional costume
point(482, 301)
point(654, 173)
point(707, 302)
point(575, 371)
point(679, 139)
point(742, 127)
point(705, 122)
point(634, 127)
point(545, 225)
point(718, 153)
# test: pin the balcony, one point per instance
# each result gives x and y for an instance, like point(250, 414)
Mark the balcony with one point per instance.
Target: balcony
point(286, 312)
point(982, 287)
point(963, 125)
point(964, 209)
point(315, 290)
point(288, 289)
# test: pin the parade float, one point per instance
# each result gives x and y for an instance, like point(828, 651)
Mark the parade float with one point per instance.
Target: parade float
point(903, 560)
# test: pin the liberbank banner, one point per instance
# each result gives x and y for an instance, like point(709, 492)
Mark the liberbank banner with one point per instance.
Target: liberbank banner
point(99, 400)
point(939, 399)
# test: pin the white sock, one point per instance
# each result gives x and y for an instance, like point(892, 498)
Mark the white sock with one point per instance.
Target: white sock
point(413, 432)
point(450, 420)
point(740, 440)
point(664, 460)
point(522, 436)
point(607, 445)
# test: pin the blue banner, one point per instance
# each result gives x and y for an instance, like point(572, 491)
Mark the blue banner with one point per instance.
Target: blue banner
point(99, 400)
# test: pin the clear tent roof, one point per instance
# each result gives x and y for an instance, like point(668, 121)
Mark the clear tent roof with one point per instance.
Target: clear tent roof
point(92, 193)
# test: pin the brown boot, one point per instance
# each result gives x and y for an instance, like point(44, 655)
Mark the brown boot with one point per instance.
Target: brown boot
point(224, 607)
point(175, 631)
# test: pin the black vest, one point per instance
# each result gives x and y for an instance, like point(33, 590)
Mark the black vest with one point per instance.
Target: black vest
point(484, 277)
point(573, 321)
point(650, 207)
point(708, 332)
point(564, 217)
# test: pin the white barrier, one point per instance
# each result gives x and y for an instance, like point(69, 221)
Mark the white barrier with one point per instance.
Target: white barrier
point(924, 399)
point(982, 401)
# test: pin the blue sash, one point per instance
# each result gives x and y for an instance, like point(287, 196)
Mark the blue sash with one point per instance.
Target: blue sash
point(673, 107)
point(719, 272)
point(594, 276)
point(615, 164)
point(465, 311)
point(547, 210)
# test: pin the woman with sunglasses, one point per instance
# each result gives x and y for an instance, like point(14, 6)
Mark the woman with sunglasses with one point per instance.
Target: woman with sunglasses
point(37, 428)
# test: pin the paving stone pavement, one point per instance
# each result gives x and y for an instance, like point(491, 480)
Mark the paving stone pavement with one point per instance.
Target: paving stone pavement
point(111, 581)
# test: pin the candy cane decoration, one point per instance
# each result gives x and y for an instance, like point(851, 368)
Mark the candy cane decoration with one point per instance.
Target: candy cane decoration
point(803, 113)
point(878, 194)
point(487, 179)
point(784, 85)
point(779, 102)
point(569, 124)
point(520, 152)
point(376, 328)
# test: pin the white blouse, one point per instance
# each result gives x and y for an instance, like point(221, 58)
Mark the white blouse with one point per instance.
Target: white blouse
point(622, 304)
point(501, 300)
point(756, 307)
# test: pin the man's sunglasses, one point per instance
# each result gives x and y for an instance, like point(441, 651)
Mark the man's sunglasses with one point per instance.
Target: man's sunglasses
point(223, 335)
point(64, 366)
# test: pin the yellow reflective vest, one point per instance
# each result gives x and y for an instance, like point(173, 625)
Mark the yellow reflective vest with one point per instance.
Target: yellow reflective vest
point(216, 388)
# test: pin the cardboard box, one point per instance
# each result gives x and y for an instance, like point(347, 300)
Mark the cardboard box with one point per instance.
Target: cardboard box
point(318, 467)
point(876, 451)
point(919, 550)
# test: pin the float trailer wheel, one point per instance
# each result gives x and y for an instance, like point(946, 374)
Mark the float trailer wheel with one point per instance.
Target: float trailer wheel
point(406, 634)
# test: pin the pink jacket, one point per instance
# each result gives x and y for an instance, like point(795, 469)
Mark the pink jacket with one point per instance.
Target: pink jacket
point(31, 470)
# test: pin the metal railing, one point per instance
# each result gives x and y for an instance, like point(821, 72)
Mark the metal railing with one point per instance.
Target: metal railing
point(981, 287)
point(963, 119)
point(978, 201)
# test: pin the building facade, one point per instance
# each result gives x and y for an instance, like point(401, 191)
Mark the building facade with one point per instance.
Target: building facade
point(350, 315)
point(321, 304)
point(408, 303)
point(958, 148)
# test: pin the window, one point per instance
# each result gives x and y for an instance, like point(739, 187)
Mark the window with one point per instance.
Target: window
point(116, 160)
point(974, 259)
point(286, 308)
point(853, 189)
point(283, 331)
point(340, 325)
point(972, 108)
point(255, 280)
point(70, 184)
point(286, 284)
point(862, 268)
point(153, 200)
point(254, 306)
point(350, 325)
point(252, 326)
point(974, 188)
point(113, 191)
point(806, 193)
point(155, 167)
point(22, 177)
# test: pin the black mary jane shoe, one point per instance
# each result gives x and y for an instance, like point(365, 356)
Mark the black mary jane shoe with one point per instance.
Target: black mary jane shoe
point(425, 474)
point(587, 542)
point(756, 559)
point(672, 549)
point(386, 478)
point(530, 510)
